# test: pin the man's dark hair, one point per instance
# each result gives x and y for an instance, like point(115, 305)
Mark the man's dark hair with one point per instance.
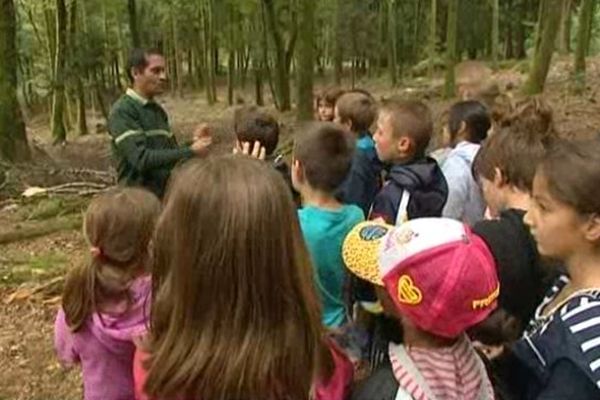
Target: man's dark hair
point(325, 151)
point(138, 59)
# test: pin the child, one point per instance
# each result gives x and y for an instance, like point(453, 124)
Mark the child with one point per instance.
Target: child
point(436, 279)
point(326, 104)
point(529, 114)
point(416, 186)
point(357, 111)
point(505, 166)
point(559, 353)
point(104, 307)
point(251, 126)
point(474, 81)
point(468, 126)
point(322, 158)
point(234, 310)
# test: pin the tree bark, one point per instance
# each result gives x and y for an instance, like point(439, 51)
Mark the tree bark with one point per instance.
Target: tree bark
point(133, 24)
point(520, 52)
point(281, 57)
point(547, 31)
point(392, 42)
point(586, 18)
point(59, 132)
point(495, 32)
point(432, 37)
point(452, 28)
point(306, 60)
point(564, 34)
point(338, 53)
point(208, 18)
point(13, 140)
point(231, 56)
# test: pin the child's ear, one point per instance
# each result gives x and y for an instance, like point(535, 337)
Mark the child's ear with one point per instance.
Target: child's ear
point(498, 177)
point(462, 129)
point(592, 231)
point(404, 145)
point(297, 170)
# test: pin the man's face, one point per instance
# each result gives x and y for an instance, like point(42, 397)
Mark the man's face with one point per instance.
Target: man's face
point(151, 81)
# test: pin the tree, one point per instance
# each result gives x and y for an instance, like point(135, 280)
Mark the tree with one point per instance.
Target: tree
point(432, 37)
point(283, 55)
point(548, 23)
point(75, 55)
point(564, 34)
point(495, 32)
point(13, 141)
point(133, 27)
point(306, 59)
point(59, 132)
point(586, 17)
point(449, 87)
point(392, 42)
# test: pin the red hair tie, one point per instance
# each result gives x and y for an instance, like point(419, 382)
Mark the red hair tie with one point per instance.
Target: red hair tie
point(96, 252)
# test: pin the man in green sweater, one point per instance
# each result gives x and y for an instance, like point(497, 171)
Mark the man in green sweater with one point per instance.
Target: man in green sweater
point(142, 141)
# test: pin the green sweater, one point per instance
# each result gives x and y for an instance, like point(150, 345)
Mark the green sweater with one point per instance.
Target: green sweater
point(142, 143)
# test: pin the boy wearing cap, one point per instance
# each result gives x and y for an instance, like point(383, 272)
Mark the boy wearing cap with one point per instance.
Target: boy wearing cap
point(321, 160)
point(437, 279)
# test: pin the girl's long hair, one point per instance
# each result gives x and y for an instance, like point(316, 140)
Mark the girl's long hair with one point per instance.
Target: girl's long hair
point(118, 226)
point(234, 314)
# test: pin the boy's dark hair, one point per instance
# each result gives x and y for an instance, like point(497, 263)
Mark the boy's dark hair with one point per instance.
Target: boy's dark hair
point(515, 153)
point(325, 152)
point(330, 96)
point(138, 59)
point(476, 118)
point(250, 124)
point(572, 171)
point(410, 118)
point(358, 108)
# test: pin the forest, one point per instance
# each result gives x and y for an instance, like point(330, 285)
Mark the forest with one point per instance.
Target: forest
point(63, 64)
point(67, 58)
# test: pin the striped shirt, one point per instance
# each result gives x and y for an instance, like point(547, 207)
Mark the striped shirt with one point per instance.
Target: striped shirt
point(578, 320)
point(454, 372)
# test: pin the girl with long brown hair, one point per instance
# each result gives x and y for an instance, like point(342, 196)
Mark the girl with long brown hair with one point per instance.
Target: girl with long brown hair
point(234, 311)
point(105, 301)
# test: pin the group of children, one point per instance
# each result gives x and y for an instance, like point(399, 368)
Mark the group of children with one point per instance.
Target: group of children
point(371, 271)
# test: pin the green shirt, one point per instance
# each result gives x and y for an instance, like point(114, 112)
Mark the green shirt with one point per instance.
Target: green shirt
point(142, 142)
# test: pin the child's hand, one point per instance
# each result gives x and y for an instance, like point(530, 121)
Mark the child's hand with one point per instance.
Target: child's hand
point(259, 152)
point(202, 131)
point(201, 144)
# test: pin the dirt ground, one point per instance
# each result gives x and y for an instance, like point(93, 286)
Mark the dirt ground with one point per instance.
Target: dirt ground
point(31, 270)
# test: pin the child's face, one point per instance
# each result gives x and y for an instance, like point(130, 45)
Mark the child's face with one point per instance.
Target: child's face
point(386, 145)
point(557, 228)
point(325, 111)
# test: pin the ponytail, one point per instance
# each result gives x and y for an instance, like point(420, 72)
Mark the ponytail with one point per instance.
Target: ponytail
point(79, 296)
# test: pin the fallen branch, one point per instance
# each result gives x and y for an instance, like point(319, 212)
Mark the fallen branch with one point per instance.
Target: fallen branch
point(25, 293)
point(41, 229)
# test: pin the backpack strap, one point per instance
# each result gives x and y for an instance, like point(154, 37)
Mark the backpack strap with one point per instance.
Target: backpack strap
point(402, 215)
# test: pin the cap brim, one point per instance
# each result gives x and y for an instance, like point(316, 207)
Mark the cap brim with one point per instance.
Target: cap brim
point(360, 250)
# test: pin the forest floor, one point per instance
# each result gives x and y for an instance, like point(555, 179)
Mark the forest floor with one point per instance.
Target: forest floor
point(31, 270)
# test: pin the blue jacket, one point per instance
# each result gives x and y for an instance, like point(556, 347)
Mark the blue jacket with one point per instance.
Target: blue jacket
point(423, 180)
point(364, 179)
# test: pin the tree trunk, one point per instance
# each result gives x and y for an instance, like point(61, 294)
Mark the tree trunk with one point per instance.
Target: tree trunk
point(59, 133)
point(495, 32)
point(392, 42)
point(306, 60)
point(208, 18)
point(452, 28)
point(564, 34)
point(586, 18)
point(231, 56)
point(547, 31)
point(432, 37)
point(13, 141)
point(338, 53)
point(520, 36)
point(133, 24)
point(281, 59)
point(50, 23)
